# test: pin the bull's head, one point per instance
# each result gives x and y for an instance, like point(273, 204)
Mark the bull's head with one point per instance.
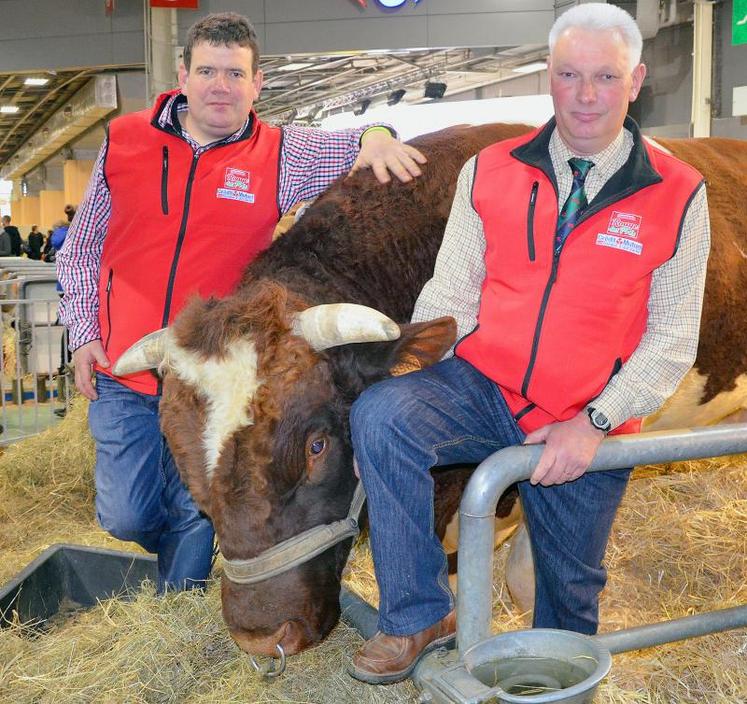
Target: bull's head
point(256, 396)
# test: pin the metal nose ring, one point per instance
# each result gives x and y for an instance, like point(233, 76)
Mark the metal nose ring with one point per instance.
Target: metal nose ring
point(268, 670)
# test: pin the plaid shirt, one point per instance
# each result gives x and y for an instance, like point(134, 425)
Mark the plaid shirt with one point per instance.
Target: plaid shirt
point(310, 159)
point(668, 346)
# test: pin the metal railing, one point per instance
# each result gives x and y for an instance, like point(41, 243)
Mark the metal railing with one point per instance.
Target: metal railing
point(512, 464)
point(35, 383)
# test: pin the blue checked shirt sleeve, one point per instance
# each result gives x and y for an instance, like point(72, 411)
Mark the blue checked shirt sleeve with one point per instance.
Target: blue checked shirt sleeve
point(459, 273)
point(668, 347)
point(312, 158)
point(79, 260)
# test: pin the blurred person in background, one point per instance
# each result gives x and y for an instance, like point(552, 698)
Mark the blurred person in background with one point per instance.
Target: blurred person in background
point(48, 253)
point(14, 235)
point(4, 243)
point(35, 243)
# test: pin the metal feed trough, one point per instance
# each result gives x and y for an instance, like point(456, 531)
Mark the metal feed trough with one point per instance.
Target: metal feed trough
point(543, 665)
point(67, 578)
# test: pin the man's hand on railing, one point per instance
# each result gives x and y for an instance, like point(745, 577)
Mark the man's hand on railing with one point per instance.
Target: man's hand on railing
point(570, 447)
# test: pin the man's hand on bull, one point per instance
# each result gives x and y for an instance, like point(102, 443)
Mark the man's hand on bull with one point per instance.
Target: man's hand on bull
point(83, 360)
point(385, 154)
point(570, 447)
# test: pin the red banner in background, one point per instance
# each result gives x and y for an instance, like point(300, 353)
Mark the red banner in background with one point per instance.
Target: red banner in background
point(183, 4)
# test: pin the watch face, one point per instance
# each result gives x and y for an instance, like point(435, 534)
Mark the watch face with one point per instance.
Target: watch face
point(598, 419)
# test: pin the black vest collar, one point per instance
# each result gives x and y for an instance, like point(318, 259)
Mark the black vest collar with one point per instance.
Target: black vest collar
point(635, 174)
point(173, 125)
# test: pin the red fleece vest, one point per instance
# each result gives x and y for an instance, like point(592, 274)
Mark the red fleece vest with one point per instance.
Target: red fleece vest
point(180, 226)
point(553, 331)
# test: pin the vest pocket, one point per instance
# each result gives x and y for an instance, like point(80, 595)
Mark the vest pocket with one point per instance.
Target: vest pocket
point(530, 220)
point(165, 181)
point(108, 308)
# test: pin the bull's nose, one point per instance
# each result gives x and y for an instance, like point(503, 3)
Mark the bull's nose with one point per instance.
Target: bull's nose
point(290, 636)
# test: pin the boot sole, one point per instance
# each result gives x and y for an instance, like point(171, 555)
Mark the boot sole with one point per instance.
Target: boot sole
point(374, 678)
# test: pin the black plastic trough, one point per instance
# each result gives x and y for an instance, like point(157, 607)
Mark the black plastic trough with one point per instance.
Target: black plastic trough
point(66, 578)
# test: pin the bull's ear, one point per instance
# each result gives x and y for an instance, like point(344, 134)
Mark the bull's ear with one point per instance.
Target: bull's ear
point(422, 344)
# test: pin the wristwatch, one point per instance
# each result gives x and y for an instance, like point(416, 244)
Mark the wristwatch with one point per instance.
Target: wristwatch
point(599, 420)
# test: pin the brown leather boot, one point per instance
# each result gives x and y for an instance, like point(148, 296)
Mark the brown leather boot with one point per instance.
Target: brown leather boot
point(384, 659)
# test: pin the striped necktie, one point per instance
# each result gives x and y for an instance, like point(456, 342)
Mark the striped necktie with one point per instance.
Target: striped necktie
point(575, 203)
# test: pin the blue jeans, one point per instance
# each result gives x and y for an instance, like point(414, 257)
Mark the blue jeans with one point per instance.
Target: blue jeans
point(139, 495)
point(448, 414)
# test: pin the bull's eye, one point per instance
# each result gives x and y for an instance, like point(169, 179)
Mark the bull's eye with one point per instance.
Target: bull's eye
point(317, 446)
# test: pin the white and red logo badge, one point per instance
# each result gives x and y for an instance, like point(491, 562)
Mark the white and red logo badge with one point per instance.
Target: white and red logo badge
point(622, 232)
point(236, 186)
point(625, 224)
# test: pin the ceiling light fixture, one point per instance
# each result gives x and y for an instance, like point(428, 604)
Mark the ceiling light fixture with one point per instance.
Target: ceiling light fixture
point(363, 107)
point(395, 96)
point(9, 109)
point(435, 90)
point(36, 81)
point(530, 68)
point(294, 66)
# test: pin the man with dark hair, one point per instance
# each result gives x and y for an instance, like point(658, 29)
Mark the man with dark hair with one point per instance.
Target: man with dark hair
point(222, 29)
point(13, 235)
point(170, 187)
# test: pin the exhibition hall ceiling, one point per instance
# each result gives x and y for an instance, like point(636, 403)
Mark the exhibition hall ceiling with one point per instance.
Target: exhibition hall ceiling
point(306, 88)
point(298, 88)
point(28, 100)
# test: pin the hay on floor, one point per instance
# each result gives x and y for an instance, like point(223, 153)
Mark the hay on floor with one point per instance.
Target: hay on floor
point(679, 547)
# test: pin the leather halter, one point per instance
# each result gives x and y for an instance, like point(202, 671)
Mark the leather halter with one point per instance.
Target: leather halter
point(297, 550)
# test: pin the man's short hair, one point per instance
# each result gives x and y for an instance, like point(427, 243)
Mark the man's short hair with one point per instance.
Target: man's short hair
point(222, 29)
point(6, 218)
point(601, 16)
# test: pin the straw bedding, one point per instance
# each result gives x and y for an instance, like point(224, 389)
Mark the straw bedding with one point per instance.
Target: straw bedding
point(679, 547)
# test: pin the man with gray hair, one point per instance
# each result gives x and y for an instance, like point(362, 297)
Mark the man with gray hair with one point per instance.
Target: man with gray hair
point(574, 262)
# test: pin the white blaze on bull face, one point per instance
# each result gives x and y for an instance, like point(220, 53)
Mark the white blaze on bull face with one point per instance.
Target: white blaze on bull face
point(227, 385)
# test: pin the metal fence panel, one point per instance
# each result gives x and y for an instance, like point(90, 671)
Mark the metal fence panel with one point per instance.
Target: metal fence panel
point(35, 380)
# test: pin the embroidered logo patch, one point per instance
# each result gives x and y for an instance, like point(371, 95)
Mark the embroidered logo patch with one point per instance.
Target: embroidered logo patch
point(236, 178)
point(622, 231)
point(623, 243)
point(625, 224)
point(236, 186)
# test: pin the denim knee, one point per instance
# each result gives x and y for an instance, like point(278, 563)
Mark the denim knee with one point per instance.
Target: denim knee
point(384, 402)
point(128, 522)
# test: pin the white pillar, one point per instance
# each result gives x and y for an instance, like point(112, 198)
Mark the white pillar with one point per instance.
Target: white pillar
point(161, 37)
point(702, 68)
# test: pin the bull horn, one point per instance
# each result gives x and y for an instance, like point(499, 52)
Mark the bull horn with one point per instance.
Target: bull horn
point(336, 324)
point(147, 353)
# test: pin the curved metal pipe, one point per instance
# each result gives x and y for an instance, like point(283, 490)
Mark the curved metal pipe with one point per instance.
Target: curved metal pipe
point(670, 631)
point(512, 464)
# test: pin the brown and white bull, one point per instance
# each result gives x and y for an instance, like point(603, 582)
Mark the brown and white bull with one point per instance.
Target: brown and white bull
point(258, 386)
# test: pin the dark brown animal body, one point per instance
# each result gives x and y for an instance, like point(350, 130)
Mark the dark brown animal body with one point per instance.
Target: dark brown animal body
point(258, 420)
